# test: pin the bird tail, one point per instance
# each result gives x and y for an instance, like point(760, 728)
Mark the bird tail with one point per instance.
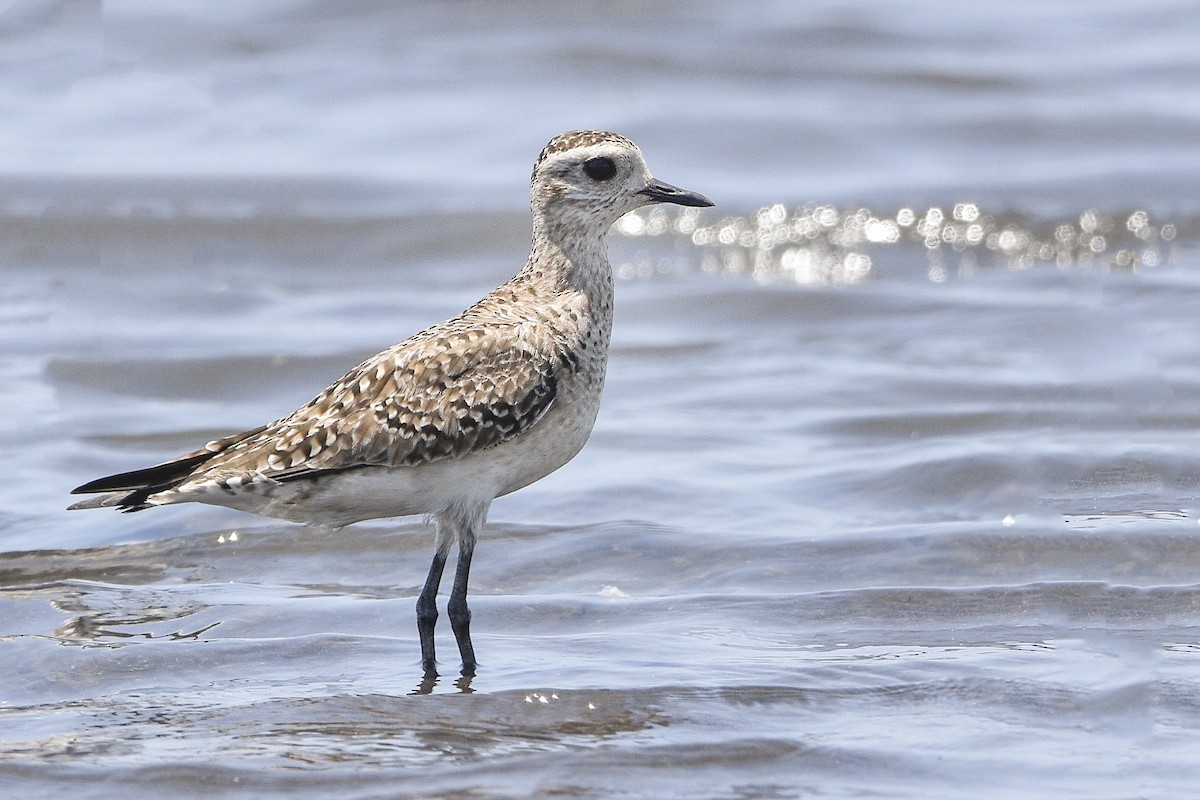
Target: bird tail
point(106, 501)
point(130, 491)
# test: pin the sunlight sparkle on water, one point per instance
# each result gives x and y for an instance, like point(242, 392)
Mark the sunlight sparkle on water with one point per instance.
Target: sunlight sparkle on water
point(822, 244)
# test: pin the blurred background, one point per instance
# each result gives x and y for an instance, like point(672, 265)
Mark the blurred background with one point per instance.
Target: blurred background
point(893, 491)
point(438, 105)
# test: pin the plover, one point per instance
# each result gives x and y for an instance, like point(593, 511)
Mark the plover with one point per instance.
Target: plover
point(461, 413)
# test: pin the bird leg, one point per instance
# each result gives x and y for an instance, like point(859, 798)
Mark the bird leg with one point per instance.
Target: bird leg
point(457, 522)
point(427, 613)
point(456, 608)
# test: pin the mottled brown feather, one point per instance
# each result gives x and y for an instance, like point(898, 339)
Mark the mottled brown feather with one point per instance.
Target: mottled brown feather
point(450, 390)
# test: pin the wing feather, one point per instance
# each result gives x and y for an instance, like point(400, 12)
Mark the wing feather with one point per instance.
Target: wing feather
point(450, 390)
point(430, 398)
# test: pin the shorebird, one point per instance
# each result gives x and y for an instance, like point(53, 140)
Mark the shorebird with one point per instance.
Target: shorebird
point(457, 415)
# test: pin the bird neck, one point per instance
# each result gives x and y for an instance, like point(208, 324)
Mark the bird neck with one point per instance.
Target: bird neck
point(560, 261)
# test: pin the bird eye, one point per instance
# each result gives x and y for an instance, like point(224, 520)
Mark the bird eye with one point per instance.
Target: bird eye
point(600, 169)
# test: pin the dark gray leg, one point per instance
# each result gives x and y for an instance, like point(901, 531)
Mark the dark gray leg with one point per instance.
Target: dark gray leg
point(427, 612)
point(456, 608)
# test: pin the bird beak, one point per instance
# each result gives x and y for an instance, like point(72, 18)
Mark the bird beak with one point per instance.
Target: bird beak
point(660, 192)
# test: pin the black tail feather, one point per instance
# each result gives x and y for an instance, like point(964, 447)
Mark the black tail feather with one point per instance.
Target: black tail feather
point(160, 475)
point(140, 484)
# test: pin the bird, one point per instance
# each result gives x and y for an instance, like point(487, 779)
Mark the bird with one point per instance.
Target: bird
point(463, 412)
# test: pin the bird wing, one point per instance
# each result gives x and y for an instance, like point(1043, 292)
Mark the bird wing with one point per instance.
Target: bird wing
point(437, 395)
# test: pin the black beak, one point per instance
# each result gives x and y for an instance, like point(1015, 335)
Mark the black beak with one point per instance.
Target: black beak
point(660, 192)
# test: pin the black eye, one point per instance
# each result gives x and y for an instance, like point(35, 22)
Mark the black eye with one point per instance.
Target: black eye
point(600, 169)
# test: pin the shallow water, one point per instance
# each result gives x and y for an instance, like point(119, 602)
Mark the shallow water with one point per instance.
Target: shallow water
point(894, 488)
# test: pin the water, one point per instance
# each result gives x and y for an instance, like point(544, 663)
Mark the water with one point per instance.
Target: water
point(894, 488)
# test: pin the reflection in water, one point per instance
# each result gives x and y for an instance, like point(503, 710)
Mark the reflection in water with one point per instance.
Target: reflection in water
point(23, 571)
point(385, 730)
point(822, 244)
point(429, 682)
point(100, 612)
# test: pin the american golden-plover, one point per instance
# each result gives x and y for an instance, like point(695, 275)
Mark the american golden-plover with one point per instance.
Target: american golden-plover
point(459, 414)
